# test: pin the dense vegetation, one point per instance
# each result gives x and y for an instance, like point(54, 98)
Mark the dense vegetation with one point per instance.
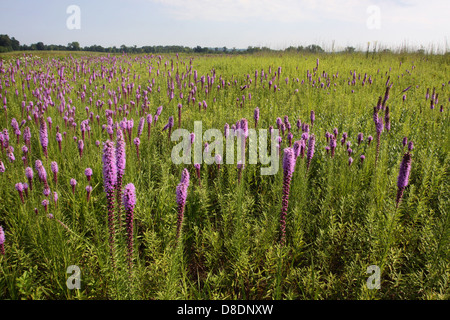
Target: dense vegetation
point(341, 218)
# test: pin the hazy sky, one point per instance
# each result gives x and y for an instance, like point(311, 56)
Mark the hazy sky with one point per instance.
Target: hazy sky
point(232, 23)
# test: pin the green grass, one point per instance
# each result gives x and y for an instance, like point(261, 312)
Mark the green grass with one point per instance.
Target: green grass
point(341, 219)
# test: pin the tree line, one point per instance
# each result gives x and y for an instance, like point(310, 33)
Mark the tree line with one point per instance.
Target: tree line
point(8, 44)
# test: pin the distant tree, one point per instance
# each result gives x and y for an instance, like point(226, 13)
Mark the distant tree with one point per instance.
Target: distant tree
point(349, 49)
point(123, 48)
point(5, 43)
point(15, 44)
point(314, 48)
point(40, 46)
point(73, 46)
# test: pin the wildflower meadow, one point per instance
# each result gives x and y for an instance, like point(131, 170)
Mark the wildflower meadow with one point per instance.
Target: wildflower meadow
point(146, 176)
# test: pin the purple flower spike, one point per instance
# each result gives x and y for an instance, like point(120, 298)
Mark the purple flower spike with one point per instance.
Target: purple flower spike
point(19, 188)
point(59, 139)
point(332, 145)
point(109, 185)
point(350, 161)
point(88, 173)
point(80, 147)
point(43, 136)
point(42, 174)
point(360, 138)
point(256, 116)
point(288, 169)
point(405, 141)
point(109, 167)
point(410, 146)
point(403, 176)
point(121, 164)
point(73, 183)
point(310, 154)
point(129, 202)
point(29, 174)
point(181, 195)
point(169, 126)
point(88, 192)
point(137, 142)
point(54, 168)
point(45, 203)
point(2, 241)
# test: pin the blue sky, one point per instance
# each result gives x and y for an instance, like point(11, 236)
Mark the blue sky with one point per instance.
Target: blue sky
point(232, 23)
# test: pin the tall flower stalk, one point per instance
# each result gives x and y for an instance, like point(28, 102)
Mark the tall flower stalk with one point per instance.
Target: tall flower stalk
point(43, 136)
point(403, 177)
point(120, 164)
point(109, 185)
point(2, 241)
point(310, 153)
point(288, 169)
point(129, 202)
point(181, 195)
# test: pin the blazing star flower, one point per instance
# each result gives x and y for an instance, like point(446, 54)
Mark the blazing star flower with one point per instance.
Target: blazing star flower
point(73, 183)
point(45, 203)
point(2, 241)
point(54, 168)
point(403, 176)
point(360, 138)
point(289, 160)
point(181, 195)
point(256, 116)
point(350, 161)
point(88, 192)
point(362, 157)
point(19, 188)
point(43, 136)
point(310, 154)
point(141, 126)
point(27, 136)
point(169, 126)
point(332, 145)
point(88, 173)
point(59, 139)
point(129, 202)
point(80, 147)
point(405, 141)
point(109, 185)
point(42, 174)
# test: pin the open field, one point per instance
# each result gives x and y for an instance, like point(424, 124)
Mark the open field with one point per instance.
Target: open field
point(343, 213)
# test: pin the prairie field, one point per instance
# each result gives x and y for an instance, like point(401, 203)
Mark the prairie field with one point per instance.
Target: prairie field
point(357, 208)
